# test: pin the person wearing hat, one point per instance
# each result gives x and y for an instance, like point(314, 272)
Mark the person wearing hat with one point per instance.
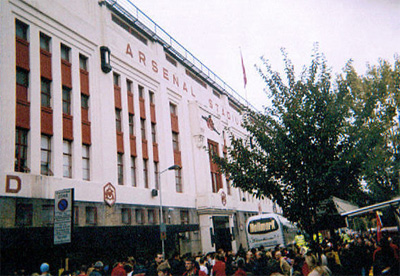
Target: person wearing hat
point(98, 269)
point(44, 269)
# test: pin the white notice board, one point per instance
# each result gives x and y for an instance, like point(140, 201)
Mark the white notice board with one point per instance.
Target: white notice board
point(63, 210)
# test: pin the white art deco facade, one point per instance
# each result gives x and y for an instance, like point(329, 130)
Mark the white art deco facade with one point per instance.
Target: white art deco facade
point(94, 99)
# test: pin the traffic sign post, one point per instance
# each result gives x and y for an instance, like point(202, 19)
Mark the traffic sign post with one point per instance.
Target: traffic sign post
point(63, 215)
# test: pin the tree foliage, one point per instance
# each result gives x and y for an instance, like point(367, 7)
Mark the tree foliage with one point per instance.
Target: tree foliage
point(314, 142)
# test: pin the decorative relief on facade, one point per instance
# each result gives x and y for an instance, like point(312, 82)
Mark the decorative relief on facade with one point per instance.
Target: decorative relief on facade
point(110, 194)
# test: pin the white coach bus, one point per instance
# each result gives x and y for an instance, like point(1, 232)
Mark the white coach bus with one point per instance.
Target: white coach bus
point(269, 230)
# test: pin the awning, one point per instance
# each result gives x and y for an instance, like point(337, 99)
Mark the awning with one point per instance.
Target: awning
point(395, 203)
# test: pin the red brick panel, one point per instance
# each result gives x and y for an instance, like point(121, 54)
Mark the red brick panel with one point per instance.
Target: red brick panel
point(117, 97)
point(22, 118)
point(86, 135)
point(145, 150)
point(153, 113)
point(66, 73)
point(142, 108)
point(85, 114)
point(46, 121)
point(84, 76)
point(133, 145)
point(45, 64)
point(22, 53)
point(155, 152)
point(22, 93)
point(67, 127)
point(130, 103)
point(174, 123)
point(120, 142)
point(177, 158)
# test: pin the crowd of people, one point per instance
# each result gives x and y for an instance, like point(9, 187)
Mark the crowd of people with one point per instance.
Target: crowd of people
point(357, 254)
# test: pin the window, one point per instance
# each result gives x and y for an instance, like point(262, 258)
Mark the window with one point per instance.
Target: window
point(184, 217)
point(228, 182)
point(178, 181)
point(44, 42)
point(145, 174)
point(21, 150)
point(126, 216)
point(65, 52)
point(157, 184)
point(83, 62)
point(91, 215)
point(141, 91)
point(120, 169)
point(129, 86)
point(216, 179)
point(172, 109)
point(131, 125)
point(45, 93)
point(21, 30)
point(118, 120)
point(23, 215)
point(22, 77)
point(85, 162)
point(143, 128)
point(153, 133)
point(175, 141)
point(151, 216)
point(67, 159)
point(47, 215)
point(171, 60)
point(151, 96)
point(116, 79)
point(76, 215)
point(139, 216)
point(66, 100)
point(133, 171)
point(45, 159)
point(84, 101)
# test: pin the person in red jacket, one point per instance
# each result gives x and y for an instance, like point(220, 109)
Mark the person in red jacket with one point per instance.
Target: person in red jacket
point(118, 270)
point(219, 267)
point(240, 271)
point(190, 267)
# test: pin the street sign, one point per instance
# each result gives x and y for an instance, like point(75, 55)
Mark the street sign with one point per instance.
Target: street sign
point(63, 211)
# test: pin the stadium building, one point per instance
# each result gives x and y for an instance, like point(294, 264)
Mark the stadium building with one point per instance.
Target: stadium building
point(99, 100)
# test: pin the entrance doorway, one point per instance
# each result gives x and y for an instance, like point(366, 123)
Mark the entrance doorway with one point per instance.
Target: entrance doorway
point(222, 233)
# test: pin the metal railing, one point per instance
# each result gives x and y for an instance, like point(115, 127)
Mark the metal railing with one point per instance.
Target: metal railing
point(141, 20)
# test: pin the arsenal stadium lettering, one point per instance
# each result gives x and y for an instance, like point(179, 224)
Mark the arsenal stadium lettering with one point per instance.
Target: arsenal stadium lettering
point(173, 78)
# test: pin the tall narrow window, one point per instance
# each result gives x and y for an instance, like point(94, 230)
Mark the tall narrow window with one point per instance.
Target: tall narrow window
point(139, 216)
point(91, 215)
point(129, 86)
point(145, 174)
point(21, 30)
point(216, 179)
point(22, 77)
point(67, 159)
point(85, 107)
point(85, 162)
point(44, 42)
point(118, 120)
point(143, 128)
point(120, 169)
point(66, 100)
point(157, 184)
point(47, 215)
point(133, 171)
point(151, 216)
point(45, 93)
point(23, 215)
point(126, 216)
point(141, 92)
point(153, 132)
point(45, 160)
point(172, 109)
point(151, 97)
point(21, 150)
point(131, 125)
point(116, 79)
point(175, 141)
point(178, 181)
point(184, 217)
point(65, 52)
point(83, 62)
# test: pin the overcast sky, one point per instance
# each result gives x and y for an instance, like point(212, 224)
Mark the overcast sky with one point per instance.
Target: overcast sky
point(214, 30)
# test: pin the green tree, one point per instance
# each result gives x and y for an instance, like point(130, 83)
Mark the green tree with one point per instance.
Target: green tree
point(303, 149)
point(375, 104)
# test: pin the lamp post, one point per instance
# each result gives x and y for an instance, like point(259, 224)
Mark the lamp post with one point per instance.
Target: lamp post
point(162, 225)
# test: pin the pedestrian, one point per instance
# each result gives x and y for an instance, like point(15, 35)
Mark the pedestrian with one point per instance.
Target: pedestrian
point(315, 266)
point(284, 265)
point(158, 259)
point(118, 269)
point(203, 266)
point(98, 269)
point(164, 269)
point(385, 259)
point(190, 268)
point(219, 269)
point(44, 269)
point(240, 271)
point(177, 265)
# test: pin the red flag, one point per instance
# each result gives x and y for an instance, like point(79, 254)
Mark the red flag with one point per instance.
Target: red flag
point(378, 226)
point(244, 70)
